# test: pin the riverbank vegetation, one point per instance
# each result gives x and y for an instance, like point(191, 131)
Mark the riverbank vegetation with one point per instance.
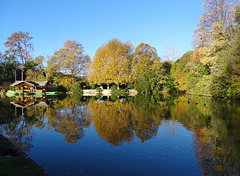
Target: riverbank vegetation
point(212, 68)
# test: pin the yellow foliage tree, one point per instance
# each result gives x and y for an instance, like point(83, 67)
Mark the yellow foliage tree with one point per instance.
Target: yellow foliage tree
point(212, 32)
point(111, 63)
point(145, 58)
point(70, 59)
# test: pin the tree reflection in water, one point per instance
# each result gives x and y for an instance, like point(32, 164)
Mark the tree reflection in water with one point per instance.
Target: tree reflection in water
point(147, 115)
point(215, 124)
point(19, 122)
point(112, 120)
point(69, 118)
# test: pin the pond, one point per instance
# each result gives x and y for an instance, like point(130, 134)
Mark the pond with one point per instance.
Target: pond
point(142, 135)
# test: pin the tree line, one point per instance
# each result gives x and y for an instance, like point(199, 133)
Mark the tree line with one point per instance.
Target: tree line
point(212, 68)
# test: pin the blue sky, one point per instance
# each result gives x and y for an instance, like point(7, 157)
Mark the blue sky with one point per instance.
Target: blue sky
point(95, 22)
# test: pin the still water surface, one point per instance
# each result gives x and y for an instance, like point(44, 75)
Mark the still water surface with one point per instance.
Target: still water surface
point(143, 135)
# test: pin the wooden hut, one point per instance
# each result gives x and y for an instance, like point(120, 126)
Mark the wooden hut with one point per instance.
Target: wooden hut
point(30, 87)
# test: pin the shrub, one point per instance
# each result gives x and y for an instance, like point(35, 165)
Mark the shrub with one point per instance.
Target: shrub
point(3, 91)
point(6, 85)
point(99, 90)
point(76, 89)
point(12, 88)
point(113, 97)
point(92, 86)
point(113, 88)
point(61, 88)
point(77, 92)
point(125, 90)
point(130, 86)
point(98, 96)
point(118, 92)
point(92, 99)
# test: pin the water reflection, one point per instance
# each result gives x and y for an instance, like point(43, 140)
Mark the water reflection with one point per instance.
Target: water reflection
point(19, 121)
point(68, 118)
point(215, 124)
point(112, 120)
point(147, 116)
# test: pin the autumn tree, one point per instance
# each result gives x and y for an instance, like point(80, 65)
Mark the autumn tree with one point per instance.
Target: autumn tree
point(70, 60)
point(111, 63)
point(236, 36)
point(19, 44)
point(180, 70)
point(35, 69)
point(145, 58)
point(39, 60)
point(213, 31)
point(151, 75)
point(216, 47)
point(53, 66)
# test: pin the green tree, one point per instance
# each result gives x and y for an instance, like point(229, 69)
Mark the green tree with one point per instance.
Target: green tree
point(146, 82)
point(155, 80)
point(8, 68)
point(1, 57)
point(77, 91)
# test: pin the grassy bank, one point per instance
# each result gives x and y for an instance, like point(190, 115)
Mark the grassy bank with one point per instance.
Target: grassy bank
point(16, 163)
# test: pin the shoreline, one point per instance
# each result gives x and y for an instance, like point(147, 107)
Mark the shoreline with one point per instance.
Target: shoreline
point(16, 162)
